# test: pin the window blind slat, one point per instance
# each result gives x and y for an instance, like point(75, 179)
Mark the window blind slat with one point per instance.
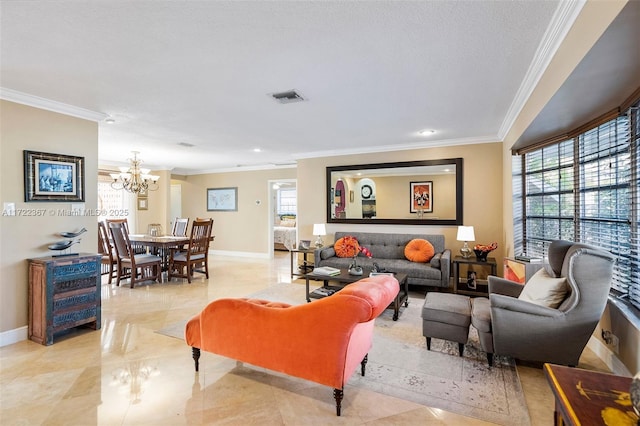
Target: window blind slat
point(585, 189)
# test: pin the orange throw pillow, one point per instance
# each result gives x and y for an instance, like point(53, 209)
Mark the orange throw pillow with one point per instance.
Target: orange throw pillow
point(419, 250)
point(346, 246)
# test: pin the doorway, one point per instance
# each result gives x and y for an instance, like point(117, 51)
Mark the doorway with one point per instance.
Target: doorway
point(283, 215)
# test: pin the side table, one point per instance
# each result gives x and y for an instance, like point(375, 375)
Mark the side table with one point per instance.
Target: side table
point(481, 288)
point(520, 271)
point(301, 268)
point(586, 397)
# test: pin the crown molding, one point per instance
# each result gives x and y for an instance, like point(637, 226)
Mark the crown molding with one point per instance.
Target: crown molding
point(239, 168)
point(49, 105)
point(561, 23)
point(399, 147)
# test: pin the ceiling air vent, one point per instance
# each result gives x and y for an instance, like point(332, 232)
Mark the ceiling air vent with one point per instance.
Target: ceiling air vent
point(186, 144)
point(287, 97)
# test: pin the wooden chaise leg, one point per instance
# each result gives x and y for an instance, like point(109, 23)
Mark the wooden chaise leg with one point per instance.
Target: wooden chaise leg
point(196, 357)
point(490, 359)
point(338, 394)
point(363, 364)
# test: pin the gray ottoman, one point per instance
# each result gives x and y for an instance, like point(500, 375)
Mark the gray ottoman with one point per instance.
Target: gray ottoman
point(446, 316)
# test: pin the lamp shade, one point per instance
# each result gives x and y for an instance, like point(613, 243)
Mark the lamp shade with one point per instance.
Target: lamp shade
point(319, 229)
point(465, 233)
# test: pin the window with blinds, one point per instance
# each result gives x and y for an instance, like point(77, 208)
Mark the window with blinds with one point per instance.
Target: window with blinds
point(287, 201)
point(113, 203)
point(584, 189)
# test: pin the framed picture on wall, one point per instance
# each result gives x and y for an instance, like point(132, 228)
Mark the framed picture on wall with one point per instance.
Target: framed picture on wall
point(421, 197)
point(143, 203)
point(222, 199)
point(53, 177)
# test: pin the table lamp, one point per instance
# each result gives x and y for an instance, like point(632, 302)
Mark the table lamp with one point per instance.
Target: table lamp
point(319, 229)
point(465, 233)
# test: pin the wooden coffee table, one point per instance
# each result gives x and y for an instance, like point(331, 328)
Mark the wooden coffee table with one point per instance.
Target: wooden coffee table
point(344, 278)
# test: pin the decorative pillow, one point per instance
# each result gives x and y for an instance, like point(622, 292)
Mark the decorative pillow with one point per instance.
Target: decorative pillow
point(545, 290)
point(419, 250)
point(346, 246)
point(288, 223)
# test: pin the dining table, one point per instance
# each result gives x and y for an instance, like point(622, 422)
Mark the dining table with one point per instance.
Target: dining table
point(157, 245)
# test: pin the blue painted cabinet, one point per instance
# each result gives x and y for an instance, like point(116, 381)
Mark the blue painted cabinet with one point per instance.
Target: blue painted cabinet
point(64, 292)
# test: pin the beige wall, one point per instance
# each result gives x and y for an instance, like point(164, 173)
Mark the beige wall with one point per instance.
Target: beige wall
point(23, 237)
point(245, 230)
point(482, 193)
point(159, 206)
point(394, 197)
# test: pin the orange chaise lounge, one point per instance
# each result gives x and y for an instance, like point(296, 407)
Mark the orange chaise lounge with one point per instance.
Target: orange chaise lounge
point(323, 341)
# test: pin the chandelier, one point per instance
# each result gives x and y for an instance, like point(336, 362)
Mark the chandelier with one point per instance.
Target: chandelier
point(133, 178)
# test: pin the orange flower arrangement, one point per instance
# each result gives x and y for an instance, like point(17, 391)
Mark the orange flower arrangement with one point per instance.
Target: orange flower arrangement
point(486, 247)
point(352, 248)
point(482, 250)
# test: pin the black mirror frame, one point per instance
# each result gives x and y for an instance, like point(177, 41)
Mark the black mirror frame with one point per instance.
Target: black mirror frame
point(381, 221)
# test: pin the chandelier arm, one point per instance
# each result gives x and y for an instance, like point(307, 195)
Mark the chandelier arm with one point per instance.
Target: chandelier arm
point(135, 180)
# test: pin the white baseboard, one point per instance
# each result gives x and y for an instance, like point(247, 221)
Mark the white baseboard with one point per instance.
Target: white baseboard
point(14, 336)
point(608, 357)
point(240, 254)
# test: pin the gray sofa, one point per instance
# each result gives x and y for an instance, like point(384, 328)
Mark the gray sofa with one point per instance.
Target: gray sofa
point(388, 253)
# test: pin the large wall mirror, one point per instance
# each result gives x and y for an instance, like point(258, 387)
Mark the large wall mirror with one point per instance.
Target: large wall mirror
point(425, 192)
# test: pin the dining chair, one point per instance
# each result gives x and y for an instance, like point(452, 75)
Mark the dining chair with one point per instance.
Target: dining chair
point(109, 258)
point(122, 221)
point(195, 255)
point(180, 225)
point(147, 266)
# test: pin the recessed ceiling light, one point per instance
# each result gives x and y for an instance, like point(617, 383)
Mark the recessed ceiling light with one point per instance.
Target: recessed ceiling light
point(109, 120)
point(426, 132)
point(257, 150)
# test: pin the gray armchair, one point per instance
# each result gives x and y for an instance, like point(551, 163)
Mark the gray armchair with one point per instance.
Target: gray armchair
point(526, 331)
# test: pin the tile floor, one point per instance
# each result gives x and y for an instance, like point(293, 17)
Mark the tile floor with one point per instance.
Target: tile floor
point(126, 374)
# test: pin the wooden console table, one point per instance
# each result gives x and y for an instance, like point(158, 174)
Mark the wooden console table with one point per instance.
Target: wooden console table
point(591, 398)
point(64, 292)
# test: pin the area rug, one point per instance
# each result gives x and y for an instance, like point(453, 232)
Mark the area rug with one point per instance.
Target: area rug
point(401, 366)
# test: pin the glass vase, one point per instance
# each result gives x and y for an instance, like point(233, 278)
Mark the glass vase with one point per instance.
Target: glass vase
point(354, 269)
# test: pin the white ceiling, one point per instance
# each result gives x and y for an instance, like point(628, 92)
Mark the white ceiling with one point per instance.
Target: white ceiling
point(199, 72)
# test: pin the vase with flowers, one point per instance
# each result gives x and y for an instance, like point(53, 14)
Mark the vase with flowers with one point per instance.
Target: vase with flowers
point(352, 247)
point(483, 250)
